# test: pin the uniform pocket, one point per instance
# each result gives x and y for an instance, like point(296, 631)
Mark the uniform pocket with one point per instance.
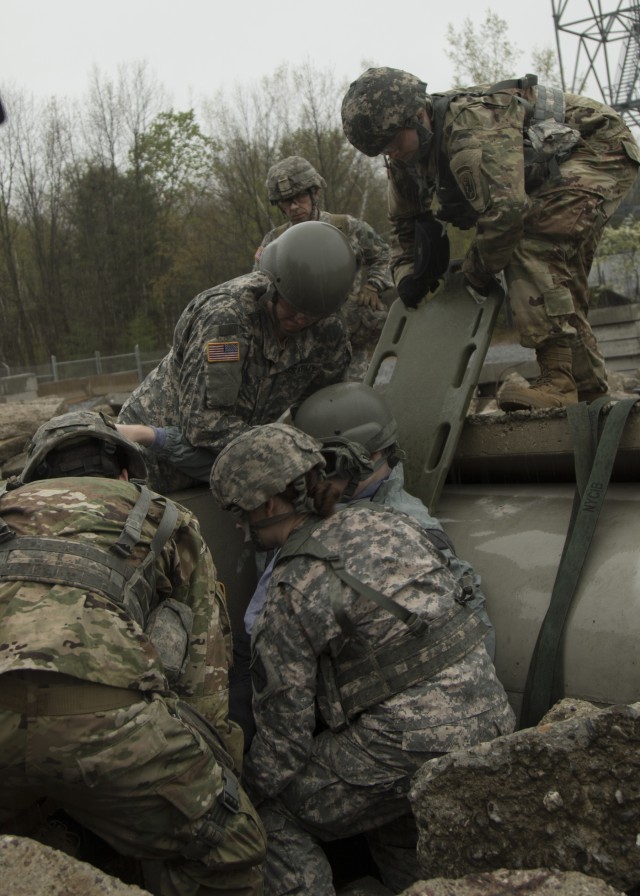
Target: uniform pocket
point(120, 748)
point(632, 149)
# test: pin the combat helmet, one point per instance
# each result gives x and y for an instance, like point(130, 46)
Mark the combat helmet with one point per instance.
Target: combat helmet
point(378, 104)
point(73, 432)
point(260, 463)
point(291, 176)
point(312, 266)
point(352, 411)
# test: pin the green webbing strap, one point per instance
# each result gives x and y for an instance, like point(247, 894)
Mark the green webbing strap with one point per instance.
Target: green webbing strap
point(142, 582)
point(545, 684)
point(37, 558)
point(130, 535)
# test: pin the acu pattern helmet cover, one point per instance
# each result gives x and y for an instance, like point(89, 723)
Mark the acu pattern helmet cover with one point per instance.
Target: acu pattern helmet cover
point(291, 176)
point(74, 428)
point(353, 411)
point(261, 463)
point(312, 266)
point(378, 104)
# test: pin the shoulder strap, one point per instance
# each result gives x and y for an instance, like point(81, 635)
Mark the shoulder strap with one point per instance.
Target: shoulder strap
point(45, 559)
point(141, 586)
point(130, 535)
point(544, 685)
point(303, 543)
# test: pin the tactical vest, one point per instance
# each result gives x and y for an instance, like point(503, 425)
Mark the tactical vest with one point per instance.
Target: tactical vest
point(362, 675)
point(39, 558)
point(547, 140)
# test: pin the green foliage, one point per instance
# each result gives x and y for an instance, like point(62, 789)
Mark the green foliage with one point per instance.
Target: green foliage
point(175, 156)
point(115, 214)
point(484, 53)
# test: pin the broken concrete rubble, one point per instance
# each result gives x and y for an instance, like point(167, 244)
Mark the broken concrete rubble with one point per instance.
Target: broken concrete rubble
point(28, 868)
point(562, 795)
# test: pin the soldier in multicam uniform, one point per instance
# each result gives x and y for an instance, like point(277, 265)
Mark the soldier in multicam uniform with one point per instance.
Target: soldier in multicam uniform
point(537, 173)
point(352, 688)
point(246, 351)
point(294, 185)
point(114, 665)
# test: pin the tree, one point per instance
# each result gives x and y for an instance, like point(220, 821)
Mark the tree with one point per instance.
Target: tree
point(293, 112)
point(617, 261)
point(484, 54)
point(177, 157)
point(113, 215)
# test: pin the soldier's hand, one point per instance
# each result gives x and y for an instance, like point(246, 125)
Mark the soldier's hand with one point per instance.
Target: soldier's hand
point(369, 296)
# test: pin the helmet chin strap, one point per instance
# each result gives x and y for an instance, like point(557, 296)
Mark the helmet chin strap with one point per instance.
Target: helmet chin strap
point(425, 138)
point(254, 528)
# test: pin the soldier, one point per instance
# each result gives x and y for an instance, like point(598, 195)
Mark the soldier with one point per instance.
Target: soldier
point(358, 611)
point(347, 413)
point(537, 173)
point(112, 619)
point(294, 185)
point(245, 351)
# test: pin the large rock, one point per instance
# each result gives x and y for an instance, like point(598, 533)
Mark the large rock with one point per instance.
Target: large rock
point(536, 882)
point(20, 419)
point(563, 795)
point(28, 868)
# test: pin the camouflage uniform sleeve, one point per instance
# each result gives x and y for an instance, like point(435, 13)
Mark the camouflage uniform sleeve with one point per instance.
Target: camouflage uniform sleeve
point(483, 142)
point(210, 374)
point(287, 640)
point(186, 572)
point(266, 239)
point(374, 251)
point(410, 193)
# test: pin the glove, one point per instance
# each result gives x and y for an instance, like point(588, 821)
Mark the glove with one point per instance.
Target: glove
point(430, 261)
point(368, 296)
point(412, 290)
point(431, 253)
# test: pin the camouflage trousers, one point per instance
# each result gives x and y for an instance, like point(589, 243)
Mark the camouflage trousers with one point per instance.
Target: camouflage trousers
point(141, 779)
point(547, 275)
point(350, 785)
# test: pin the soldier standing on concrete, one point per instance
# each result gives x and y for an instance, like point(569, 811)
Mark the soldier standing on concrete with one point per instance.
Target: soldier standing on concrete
point(114, 663)
point(294, 185)
point(537, 173)
point(358, 612)
point(246, 351)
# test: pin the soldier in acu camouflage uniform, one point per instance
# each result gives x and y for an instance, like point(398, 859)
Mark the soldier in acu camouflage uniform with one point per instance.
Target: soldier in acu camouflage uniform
point(111, 618)
point(294, 185)
point(344, 715)
point(244, 352)
point(536, 172)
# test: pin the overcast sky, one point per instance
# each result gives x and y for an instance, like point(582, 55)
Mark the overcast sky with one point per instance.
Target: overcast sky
point(194, 47)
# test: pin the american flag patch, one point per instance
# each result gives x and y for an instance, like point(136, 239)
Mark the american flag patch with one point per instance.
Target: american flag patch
point(222, 351)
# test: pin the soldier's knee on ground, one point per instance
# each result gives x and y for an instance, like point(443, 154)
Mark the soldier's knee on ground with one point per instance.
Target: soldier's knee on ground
point(225, 850)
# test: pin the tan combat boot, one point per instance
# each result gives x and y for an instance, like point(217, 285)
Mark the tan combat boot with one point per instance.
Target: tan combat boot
point(554, 388)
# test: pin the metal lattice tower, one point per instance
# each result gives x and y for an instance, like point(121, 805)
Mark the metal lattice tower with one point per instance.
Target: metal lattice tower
point(606, 50)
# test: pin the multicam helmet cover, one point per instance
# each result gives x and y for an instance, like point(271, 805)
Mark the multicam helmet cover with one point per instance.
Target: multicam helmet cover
point(261, 463)
point(291, 176)
point(378, 104)
point(75, 428)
